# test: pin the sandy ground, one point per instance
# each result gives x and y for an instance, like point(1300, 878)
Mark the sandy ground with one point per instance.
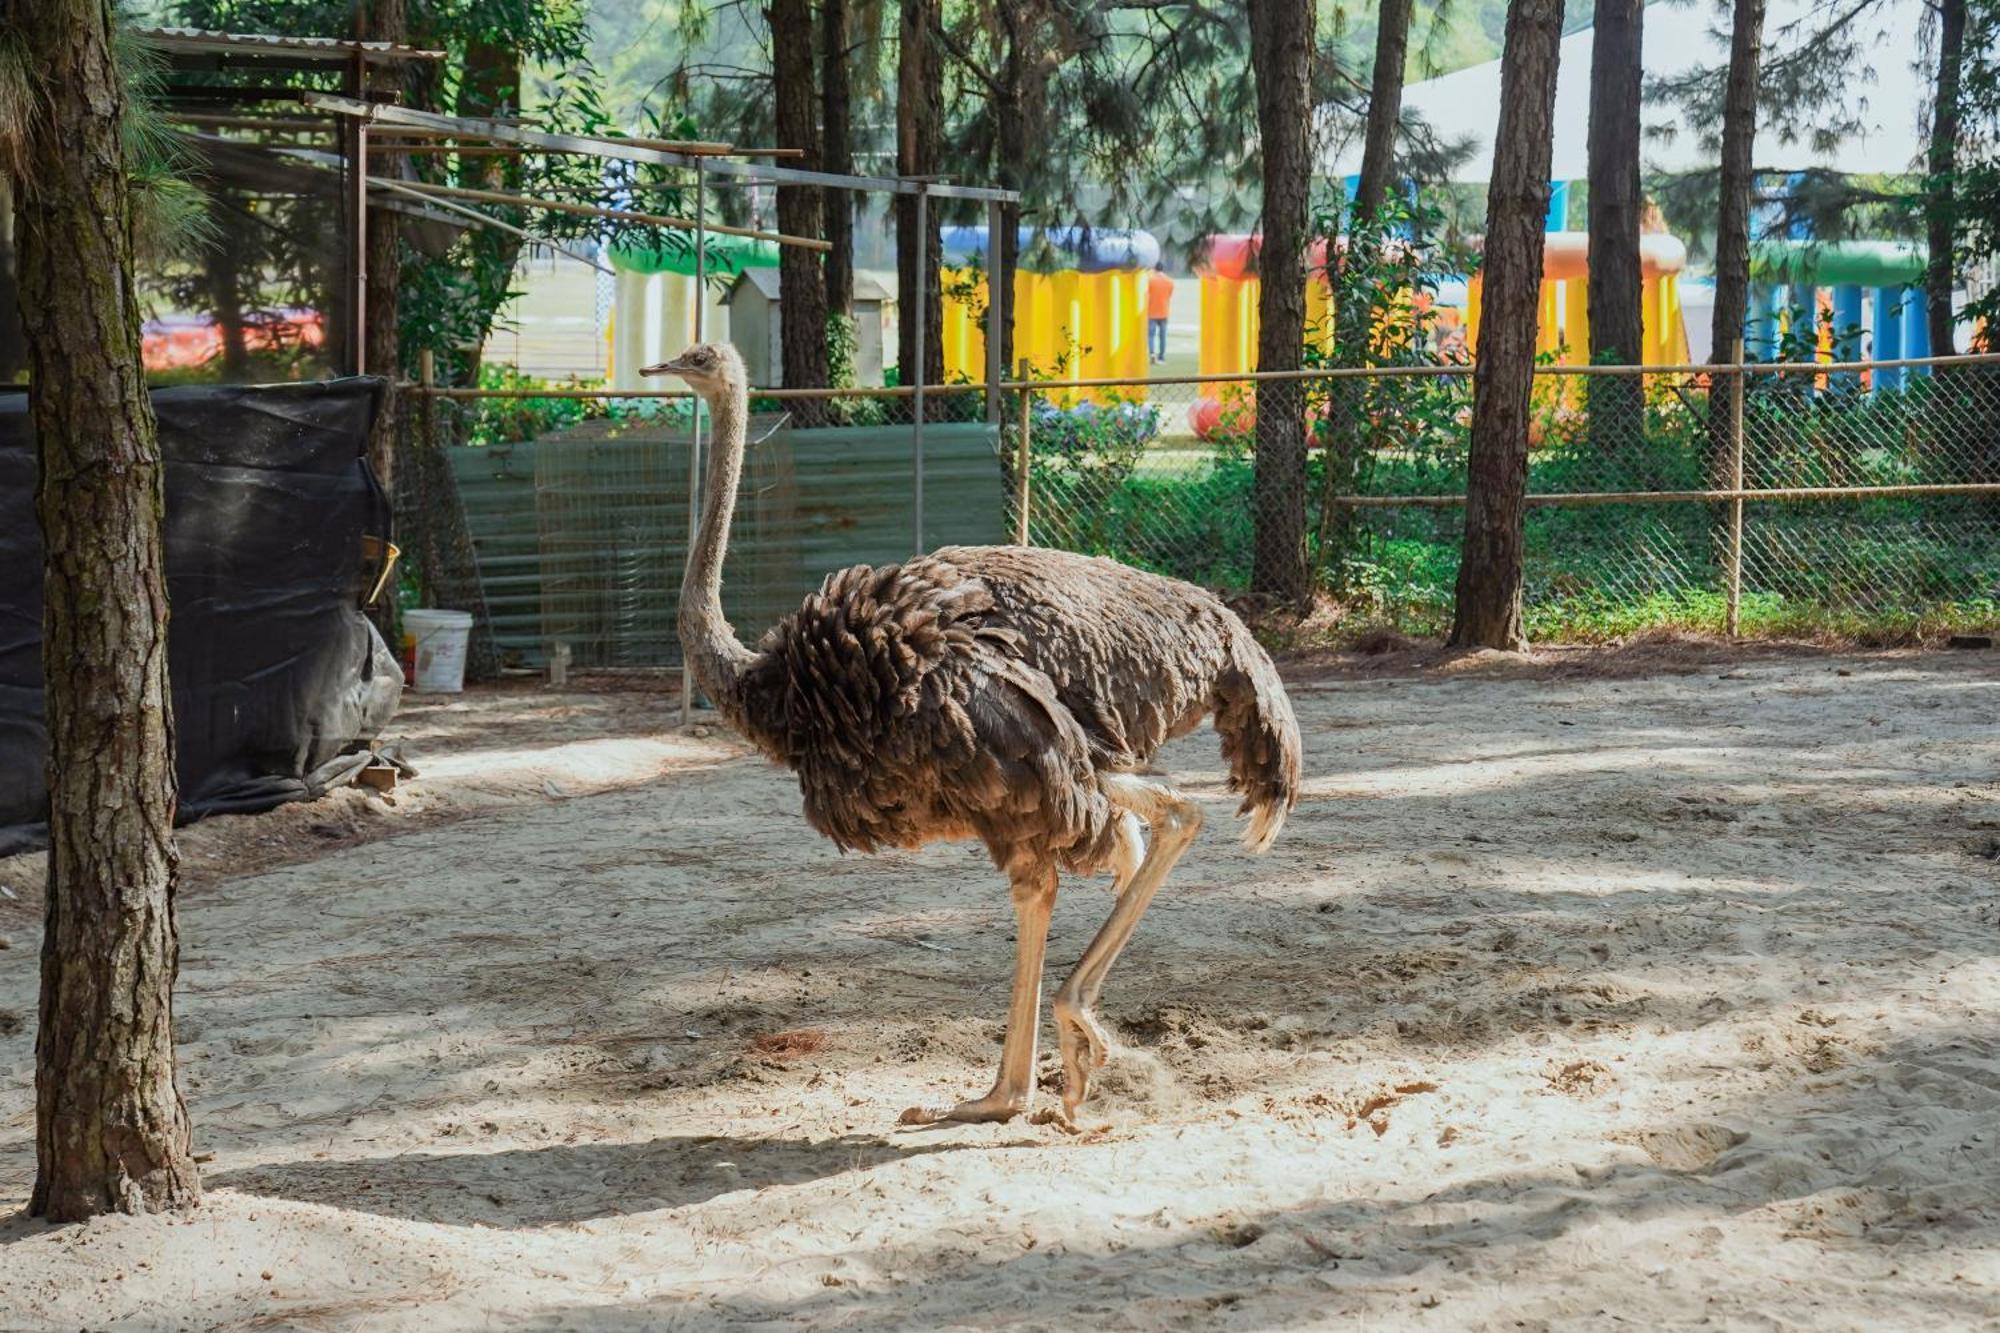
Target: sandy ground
point(1567, 1000)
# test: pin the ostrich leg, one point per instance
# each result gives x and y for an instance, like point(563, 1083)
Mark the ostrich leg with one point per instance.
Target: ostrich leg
point(1174, 820)
point(1034, 889)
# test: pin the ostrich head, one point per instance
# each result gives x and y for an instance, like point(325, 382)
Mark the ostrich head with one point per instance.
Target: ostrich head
point(708, 368)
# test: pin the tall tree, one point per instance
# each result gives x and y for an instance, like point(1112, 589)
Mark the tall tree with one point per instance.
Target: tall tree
point(1347, 398)
point(1281, 43)
point(1941, 190)
point(1385, 106)
point(1491, 562)
point(382, 21)
point(919, 130)
point(13, 348)
point(1732, 220)
point(837, 152)
point(801, 285)
point(111, 1127)
point(1617, 331)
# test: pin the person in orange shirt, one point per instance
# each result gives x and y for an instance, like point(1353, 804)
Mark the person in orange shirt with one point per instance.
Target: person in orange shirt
point(1159, 299)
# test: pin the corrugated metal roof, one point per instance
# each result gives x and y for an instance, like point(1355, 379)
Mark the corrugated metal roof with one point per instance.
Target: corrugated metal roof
point(335, 50)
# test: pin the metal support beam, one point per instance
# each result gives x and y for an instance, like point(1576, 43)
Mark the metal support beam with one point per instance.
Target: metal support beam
point(923, 314)
point(627, 151)
point(694, 427)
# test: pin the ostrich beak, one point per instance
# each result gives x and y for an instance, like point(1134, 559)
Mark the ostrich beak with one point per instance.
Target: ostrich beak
point(673, 367)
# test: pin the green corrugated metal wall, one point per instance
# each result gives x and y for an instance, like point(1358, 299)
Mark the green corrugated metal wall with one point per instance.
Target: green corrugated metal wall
point(582, 535)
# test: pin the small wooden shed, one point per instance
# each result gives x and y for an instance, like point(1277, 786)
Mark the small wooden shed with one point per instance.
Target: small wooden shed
point(754, 325)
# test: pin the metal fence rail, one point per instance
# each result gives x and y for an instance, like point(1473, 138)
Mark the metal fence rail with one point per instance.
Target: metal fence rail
point(1859, 494)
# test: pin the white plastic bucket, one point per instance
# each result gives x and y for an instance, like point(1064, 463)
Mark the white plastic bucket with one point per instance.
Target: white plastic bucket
point(440, 648)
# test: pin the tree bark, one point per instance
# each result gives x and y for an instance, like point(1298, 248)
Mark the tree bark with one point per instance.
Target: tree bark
point(224, 278)
point(111, 1128)
point(1617, 326)
point(801, 285)
point(1281, 35)
point(1347, 439)
point(837, 153)
point(491, 86)
point(1732, 223)
point(1491, 561)
point(1385, 106)
point(1011, 138)
point(384, 21)
point(1941, 192)
point(919, 127)
point(13, 344)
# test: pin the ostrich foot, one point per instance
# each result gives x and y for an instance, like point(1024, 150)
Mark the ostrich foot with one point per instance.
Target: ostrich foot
point(1085, 1047)
point(995, 1106)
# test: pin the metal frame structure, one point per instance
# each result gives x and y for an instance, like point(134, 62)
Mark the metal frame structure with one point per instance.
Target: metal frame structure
point(360, 115)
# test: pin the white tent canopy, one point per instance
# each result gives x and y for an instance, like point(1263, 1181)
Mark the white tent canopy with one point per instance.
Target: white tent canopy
point(1888, 99)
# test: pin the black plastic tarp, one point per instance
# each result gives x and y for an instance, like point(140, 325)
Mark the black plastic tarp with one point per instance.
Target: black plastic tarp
point(275, 670)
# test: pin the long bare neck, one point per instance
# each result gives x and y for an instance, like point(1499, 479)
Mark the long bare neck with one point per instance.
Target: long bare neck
point(715, 656)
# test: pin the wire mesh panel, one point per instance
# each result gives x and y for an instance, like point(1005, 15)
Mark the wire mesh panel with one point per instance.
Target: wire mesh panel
point(1630, 478)
point(1834, 498)
point(579, 535)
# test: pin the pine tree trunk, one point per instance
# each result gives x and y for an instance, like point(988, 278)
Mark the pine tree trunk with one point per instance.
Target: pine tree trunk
point(224, 279)
point(1941, 190)
point(490, 86)
point(384, 21)
point(1617, 328)
point(1281, 36)
point(111, 1128)
point(1011, 137)
point(13, 345)
point(919, 128)
point(1732, 224)
point(1491, 563)
point(837, 154)
point(801, 285)
point(1385, 106)
point(1348, 398)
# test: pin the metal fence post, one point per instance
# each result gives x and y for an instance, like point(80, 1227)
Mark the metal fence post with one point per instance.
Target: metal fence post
point(694, 424)
point(1733, 615)
point(923, 312)
point(1021, 460)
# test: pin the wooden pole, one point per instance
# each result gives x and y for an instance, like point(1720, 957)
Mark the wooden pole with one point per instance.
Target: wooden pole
point(1021, 460)
point(1741, 383)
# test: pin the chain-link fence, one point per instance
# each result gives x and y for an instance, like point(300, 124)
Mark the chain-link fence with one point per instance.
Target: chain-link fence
point(1857, 497)
point(1863, 498)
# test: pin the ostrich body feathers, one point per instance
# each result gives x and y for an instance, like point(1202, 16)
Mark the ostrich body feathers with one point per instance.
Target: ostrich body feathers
point(978, 692)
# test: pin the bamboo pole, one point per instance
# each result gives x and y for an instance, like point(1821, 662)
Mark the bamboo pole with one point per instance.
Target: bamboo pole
point(597, 211)
point(1022, 460)
point(1733, 617)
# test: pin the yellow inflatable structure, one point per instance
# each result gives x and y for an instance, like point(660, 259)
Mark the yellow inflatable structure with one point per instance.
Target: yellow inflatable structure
point(1079, 304)
point(1564, 327)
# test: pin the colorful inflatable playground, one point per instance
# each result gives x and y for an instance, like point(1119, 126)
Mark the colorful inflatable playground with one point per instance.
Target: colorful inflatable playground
point(1079, 302)
point(1079, 306)
point(1838, 301)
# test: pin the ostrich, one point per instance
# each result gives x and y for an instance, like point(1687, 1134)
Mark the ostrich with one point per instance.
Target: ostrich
point(1004, 693)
